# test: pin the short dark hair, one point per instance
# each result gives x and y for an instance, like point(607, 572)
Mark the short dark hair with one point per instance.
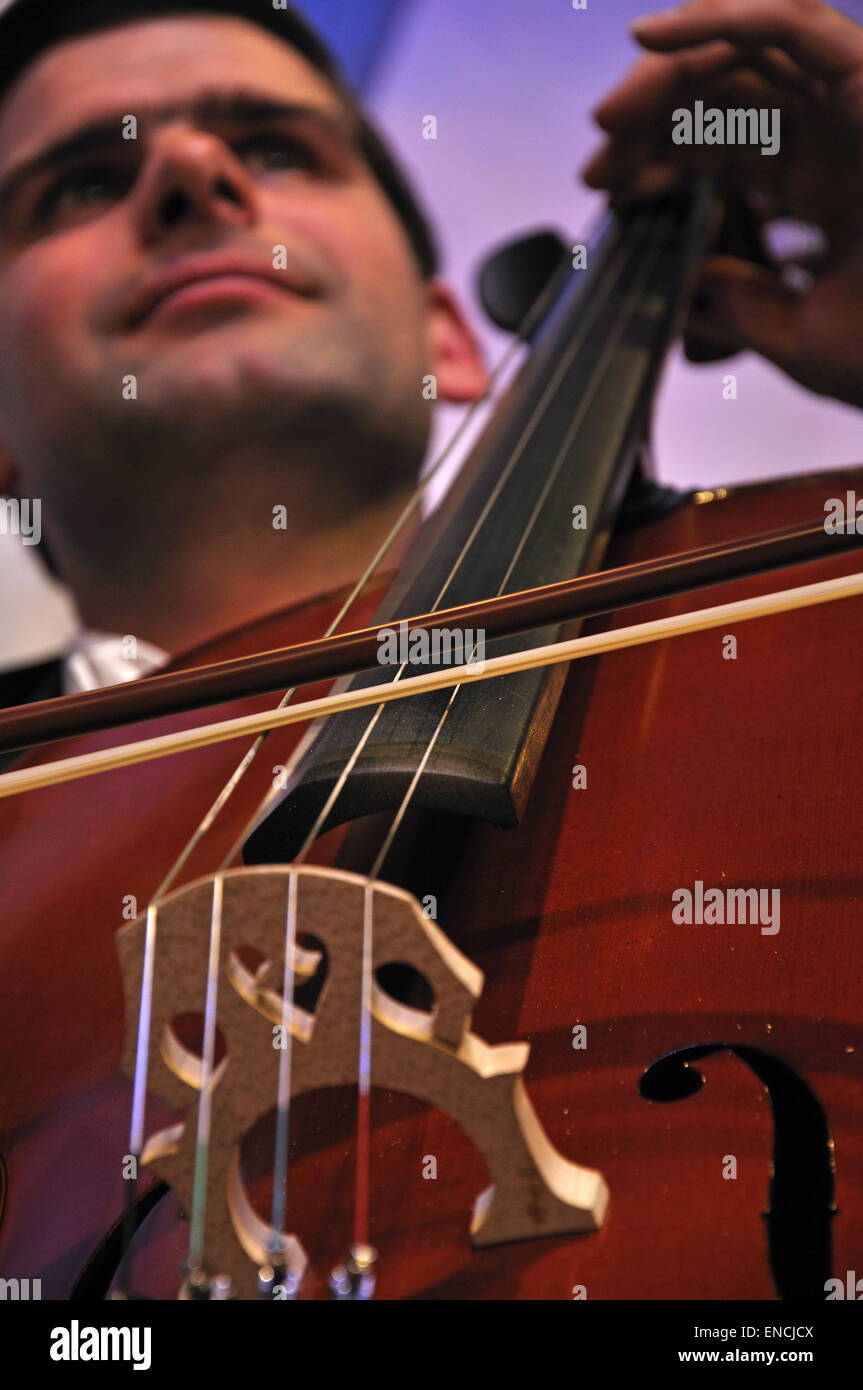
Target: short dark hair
point(29, 28)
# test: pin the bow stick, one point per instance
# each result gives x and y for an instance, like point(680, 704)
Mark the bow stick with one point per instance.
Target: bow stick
point(127, 755)
point(327, 658)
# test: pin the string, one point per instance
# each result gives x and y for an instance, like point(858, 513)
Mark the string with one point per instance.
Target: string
point(349, 602)
point(529, 429)
point(198, 1214)
point(246, 761)
point(361, 1201)
point(137, 1125)
point(362, 1174)
point(495, 378)
point(572, 430)
point(283, 1099)
point(139, 1090)
point(364, 1080)
point(532, 520)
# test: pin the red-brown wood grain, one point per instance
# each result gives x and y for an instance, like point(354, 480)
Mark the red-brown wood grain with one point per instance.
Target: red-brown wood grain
point(736, 773)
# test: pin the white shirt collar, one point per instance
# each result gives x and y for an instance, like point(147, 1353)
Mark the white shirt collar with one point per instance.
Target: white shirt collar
point(97, 659)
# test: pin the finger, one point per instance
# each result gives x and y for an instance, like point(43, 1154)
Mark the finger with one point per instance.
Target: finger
point(706, 345)
point(624, 168)
point(646, 90)
point(634, 169)
point(740, 306)
point(783, 71)
point(820, 39)
point(625, 154)
point(652, 182)
point(613, 163)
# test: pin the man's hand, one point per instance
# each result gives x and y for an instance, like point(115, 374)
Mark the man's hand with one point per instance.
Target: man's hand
point(805, 58)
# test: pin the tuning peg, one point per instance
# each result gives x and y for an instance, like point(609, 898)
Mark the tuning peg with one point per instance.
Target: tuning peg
point(513, 277)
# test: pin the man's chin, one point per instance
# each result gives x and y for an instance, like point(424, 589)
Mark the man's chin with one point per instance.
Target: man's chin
point(236, 357)
point(228, 390)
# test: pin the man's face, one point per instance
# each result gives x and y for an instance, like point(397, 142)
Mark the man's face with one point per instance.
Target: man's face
point(307, 293)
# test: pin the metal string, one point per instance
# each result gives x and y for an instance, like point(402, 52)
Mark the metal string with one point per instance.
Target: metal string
point(506, 473)
point(362, 1176)
point(283, 1097)
point(364, 1057)
point(137, 1124)
point(366, 977)
point(198, 1213)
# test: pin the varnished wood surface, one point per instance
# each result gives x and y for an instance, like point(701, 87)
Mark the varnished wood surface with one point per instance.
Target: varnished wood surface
point(738, 773)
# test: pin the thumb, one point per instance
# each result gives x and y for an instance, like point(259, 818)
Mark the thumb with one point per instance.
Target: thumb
point(740, 306)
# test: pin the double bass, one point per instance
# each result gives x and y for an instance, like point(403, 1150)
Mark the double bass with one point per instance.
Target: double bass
point(541, 984)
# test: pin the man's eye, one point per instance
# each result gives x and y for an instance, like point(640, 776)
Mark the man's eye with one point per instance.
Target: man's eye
point(80, 193)
point(277, 152)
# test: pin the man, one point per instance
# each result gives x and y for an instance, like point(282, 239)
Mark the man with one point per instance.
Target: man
point(163, 425)
point(214, 334)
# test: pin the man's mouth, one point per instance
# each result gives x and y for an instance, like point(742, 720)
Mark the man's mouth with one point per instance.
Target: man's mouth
point(202, 282)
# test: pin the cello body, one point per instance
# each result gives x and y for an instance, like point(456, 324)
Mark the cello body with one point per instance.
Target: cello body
point(735, 1167)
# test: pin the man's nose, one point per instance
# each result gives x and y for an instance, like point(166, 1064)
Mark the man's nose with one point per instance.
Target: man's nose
point(191, 176)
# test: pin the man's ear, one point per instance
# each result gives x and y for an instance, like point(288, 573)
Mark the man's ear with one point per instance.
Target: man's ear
point(456, 355)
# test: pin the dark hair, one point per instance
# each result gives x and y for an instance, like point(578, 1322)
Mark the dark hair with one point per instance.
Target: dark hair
point(29, 28)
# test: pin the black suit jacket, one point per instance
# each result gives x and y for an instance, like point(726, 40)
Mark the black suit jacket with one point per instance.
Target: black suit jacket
point(29, 683)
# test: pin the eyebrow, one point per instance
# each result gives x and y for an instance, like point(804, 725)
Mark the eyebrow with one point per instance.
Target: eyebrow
point(208, 108)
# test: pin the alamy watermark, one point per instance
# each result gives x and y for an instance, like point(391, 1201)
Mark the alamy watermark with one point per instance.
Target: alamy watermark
point(21, 516)
point(77, 1343)
point(850, 1287)
point(443, 646)
point(20, 1290)
point(711, 906)
point(844, 516)
point(735, 126)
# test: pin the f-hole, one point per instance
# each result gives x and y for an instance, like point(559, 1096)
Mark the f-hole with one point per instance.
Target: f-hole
point(800, 1205)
